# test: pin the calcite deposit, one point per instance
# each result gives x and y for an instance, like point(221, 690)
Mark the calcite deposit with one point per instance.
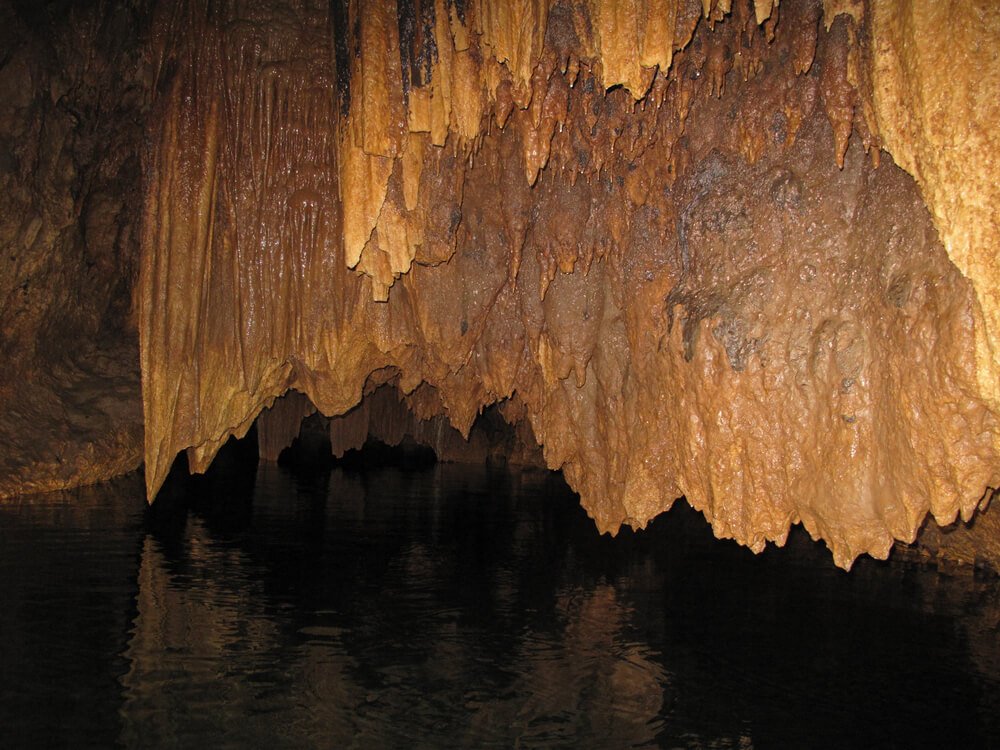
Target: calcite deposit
point(740, 252)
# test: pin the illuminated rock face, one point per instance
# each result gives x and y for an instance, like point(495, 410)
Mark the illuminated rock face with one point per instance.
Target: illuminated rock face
point(659, 234)
point(692, 284)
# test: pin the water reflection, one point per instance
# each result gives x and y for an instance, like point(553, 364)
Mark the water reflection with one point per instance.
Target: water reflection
point(206, 658)
point(352, 617)
point(67, 582)
point(460, 608)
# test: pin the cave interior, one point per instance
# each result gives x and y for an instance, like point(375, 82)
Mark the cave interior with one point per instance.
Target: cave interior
point(739, 252)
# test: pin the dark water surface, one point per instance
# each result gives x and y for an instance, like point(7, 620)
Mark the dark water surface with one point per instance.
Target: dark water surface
point(464, 607)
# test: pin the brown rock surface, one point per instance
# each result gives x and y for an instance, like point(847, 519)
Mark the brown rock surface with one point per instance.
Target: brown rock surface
point(936, 104)
point(660, 233)
point(75, 423)
point(72, 99)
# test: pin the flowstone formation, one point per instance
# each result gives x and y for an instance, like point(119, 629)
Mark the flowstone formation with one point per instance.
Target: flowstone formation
point(663, 230)
point(666, 240)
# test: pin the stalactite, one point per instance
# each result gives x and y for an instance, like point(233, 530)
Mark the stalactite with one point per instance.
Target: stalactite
point(279, 424)
point(627, 219)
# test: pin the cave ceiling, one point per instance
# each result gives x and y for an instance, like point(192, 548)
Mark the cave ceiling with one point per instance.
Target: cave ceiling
point(738, 252)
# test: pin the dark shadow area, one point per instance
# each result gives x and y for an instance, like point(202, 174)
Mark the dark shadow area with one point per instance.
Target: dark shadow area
point(397, 438)
point(384, 596)
point(311, 454)
point(460, 606)
point(223, 495)
point(374, 454)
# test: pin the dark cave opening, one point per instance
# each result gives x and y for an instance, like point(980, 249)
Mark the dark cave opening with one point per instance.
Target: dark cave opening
point(393, 437)
point(390, 428)
point(311, 452)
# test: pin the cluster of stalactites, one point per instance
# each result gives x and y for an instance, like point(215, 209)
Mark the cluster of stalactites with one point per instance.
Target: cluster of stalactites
point(290, 145)
point(465, 69)
point(386, 415)
point(301, 165)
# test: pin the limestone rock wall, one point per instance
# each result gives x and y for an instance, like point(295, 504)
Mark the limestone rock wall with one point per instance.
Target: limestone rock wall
point(666, 229)
point(934, 97)
point(73, 95)
point(670, 237)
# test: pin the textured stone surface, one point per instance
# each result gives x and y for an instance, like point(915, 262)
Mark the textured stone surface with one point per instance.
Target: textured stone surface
point(935, 78)
point(664, 235)
point(74, 423)
point(695, 282)
point(73, 89)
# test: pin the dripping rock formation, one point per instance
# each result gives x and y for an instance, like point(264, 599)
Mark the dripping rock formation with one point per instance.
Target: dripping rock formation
point(742, 252)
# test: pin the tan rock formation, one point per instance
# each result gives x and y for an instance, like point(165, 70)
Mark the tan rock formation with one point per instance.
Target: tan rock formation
point(936, 104)
point(648, 221)
point(669, 236)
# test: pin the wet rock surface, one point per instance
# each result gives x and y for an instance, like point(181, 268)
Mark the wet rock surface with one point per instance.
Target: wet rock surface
point(689, 271)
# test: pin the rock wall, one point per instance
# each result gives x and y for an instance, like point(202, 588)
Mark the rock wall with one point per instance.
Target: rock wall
point(73, 97)
point(934, 99)
point(665, 228)
point(670, 237)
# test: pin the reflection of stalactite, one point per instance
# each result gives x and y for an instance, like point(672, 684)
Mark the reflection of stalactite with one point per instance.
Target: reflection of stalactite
point(214, 637)
point(620, 687)
point(179, 629)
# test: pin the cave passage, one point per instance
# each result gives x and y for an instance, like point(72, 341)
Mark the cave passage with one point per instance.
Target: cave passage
point(737, 251)
point(293, 431)
point(410, 319)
